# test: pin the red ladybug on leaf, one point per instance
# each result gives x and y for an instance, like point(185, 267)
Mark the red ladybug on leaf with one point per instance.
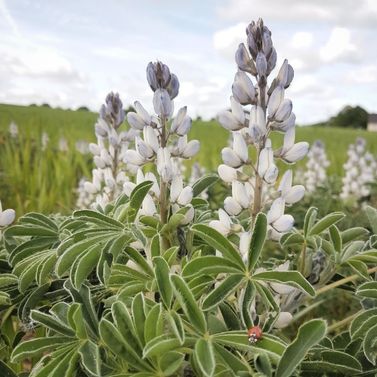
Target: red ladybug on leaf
point(254, 334)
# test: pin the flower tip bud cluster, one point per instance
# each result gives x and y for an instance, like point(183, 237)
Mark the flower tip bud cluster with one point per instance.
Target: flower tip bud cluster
point(112, 111)
point(160, 77)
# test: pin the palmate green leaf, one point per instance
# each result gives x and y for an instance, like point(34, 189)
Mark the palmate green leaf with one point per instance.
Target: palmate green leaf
point(188, 304)
point(361, 323)
point(372, 217)
point(66, 366)
point(84, 265)
point(352, 234)
point(34, 218)
point(97, 218)
point(171, 362)
point(215, 239)
point(205, 357)
point(235, 363)
point(370, 345)
point(231, 318)
point(293, 278)
point(309, 334)
point(309, 220)
point(336, 238)
point(154, 323)
point(326, 223)
point(176, 325)
point(258, 238)
point(27, 230)
point(51, 322)
point(368, 289)
point(203, 183)
point(160, 345)
point(119, 347)
point(165, 288)
point(222, 291)
point(35, 347)
point(6, 371)
point(209, 264)
point(90, 358)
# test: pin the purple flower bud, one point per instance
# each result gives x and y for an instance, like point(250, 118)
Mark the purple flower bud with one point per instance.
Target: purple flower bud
point(113, 112)
point(261, 64)
point(159, 77)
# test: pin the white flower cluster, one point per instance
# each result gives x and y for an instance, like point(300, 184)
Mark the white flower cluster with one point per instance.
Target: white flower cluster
point(13, 130)
point(163, 145)
point(360, 170)
point(315, 174)
point(267, 110)
point(109, 175)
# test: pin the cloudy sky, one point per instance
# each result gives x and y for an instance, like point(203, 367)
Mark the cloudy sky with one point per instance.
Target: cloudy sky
point(72, 52)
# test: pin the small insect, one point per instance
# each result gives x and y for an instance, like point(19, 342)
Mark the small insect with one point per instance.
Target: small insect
point(254, 334)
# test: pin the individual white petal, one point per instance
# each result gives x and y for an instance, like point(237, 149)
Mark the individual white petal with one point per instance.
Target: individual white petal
point(297, 152)
point(176, 188)
point(243, 88)
point(135, 120)
point(239, 194)
point(142, 113)
point(245, 238)
point(285, 182)
point(258, 119)
point(263, 162)
point(240, 147)
point(284, 110)
point(283, 320)
point(276, 210)
point(224, 218)
point(133, 158)
point(150, 137)
point(191, 149)
point(140, 176)
point(284, 223)
point(94, 149)
point(185, 196)
point(271, 174)
point(178, 119)
point(164, 165)
point(7, 217)
point(282, 76)
point(227, 173)
point(99, 162)
point(295, 194)
point(289, 138)
point(229, 121)
point(163, 105)
point(128, 187)
point(148, 207)
point(184, 127)
point(143, 148)
point(232, 206)
point(275, 100)
point(237, 110)
point(189, 216)
point(219, 226)
point(230, 158)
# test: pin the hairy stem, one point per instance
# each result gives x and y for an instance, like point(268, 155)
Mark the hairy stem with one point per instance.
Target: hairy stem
point(341, 323)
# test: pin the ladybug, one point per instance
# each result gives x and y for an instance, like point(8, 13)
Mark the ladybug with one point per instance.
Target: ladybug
point(254, 334)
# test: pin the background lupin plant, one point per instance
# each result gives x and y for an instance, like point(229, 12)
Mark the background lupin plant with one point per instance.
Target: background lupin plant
point(143, 286)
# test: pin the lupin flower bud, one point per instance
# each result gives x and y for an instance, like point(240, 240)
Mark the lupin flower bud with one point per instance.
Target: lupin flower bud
point(159, 77)
point(243, 89)
point(233, 120)
point(182, 123)
point(261, 64)
point(227, 173)
point(243, 60)
point(275, 100)
point(285, 75)
point(284, 110)
point(257, 124)
point(113, 112)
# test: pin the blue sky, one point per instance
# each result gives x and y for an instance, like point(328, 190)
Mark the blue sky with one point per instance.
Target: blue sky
point(71, 53)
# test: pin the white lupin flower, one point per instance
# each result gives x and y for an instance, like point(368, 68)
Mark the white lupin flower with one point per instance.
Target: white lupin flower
point(223, 225)
point(283, 320)
point(292, 152)
point(257, 123)
point(284, 110)
point(191, 149)
point(240, 194)
point(94, 149)
point(140, 119)
point(231, 206)
point(134, 158)
point(227, 173)
point(243, 89)
point(182, 123)
point(231, 158)
point(7, 216)
point(276, 98)
point(151, 138)
point(233, 120)
point(245, 239)
point(143, 148)
point(240, 147)
point(148, 207)
point(164, 165)
point(266, 166)
point(291, 194)
point(163, 105)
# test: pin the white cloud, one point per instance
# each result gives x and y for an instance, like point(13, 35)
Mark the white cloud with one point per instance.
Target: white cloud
point(302, 39)
point(226, 40)
point(339, 46)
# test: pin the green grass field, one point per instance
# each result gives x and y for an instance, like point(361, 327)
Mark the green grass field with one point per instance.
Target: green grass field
point(47, 181)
